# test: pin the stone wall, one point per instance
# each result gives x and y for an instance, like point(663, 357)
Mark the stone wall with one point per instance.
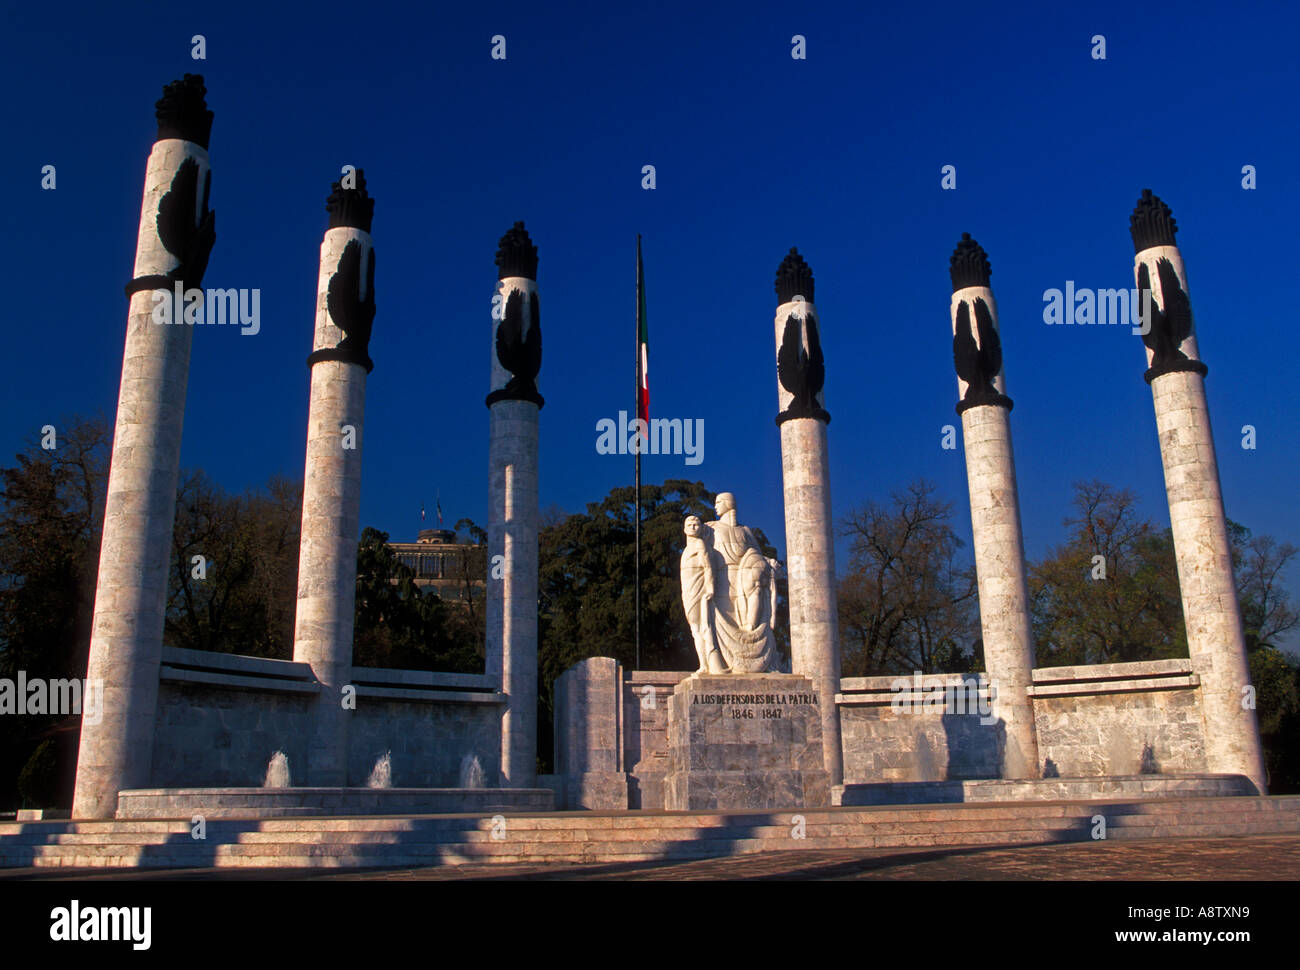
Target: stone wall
point(221, 737)
point(589, 736)
point(917, 729)
point(1102, 720)
point(221, 717)
point(1120, 719)
point(645, 704)
point(611, 735)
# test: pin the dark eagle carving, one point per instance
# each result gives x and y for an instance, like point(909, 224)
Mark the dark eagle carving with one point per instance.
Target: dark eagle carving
point(801, 371)
point(520, 353)
point(351, 314)
point(189, 242)
point(182, 111)
point(1171, 324)
point(185, 230)
point(977, 363)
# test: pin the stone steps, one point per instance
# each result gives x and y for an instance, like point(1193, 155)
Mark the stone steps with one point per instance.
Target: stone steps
point(623, 837)
point(569, 823)
point(813, 832)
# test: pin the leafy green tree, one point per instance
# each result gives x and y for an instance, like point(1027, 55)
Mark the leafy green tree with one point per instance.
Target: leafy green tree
point(1282, 742)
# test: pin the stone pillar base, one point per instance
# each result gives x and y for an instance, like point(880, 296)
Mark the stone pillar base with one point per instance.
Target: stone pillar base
point(749, 741)
point(597, 791)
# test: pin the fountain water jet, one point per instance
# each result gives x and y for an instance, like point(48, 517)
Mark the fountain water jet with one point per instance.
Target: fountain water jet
point(277, 772)
point(471, 772)
point(381, 776)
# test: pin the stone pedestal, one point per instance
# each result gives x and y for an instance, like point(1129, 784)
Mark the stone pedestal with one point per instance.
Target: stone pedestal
point(589, 736)
point(751, 741)
point(512, 599)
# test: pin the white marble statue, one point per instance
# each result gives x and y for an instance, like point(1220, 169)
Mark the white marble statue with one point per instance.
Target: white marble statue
point(697, 597)
point(729, 594)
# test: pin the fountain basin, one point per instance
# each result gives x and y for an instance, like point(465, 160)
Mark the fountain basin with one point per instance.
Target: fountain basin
point(150, 803)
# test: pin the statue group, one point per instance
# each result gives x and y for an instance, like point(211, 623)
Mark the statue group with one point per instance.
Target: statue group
point(729, 593)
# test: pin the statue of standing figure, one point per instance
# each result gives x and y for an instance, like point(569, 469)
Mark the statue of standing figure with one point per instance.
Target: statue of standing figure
point(729, 594)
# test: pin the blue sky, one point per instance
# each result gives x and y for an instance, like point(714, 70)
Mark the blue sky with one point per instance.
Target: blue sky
point(839, 154)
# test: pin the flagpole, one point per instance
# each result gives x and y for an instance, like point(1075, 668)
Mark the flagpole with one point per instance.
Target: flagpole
point(638, 452)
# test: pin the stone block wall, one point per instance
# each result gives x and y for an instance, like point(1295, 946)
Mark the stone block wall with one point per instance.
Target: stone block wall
point(611, 735)
point(589, 736)
point(645, 703)
point(223, 737)
point(428, 741)
point(1102, 720)
point(921, 738)
point(1120, 719)
point(221, 717)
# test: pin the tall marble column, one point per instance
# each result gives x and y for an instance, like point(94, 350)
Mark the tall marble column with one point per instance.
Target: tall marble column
point(331, 501)
point(175, 238)
point(805, 471)
point(994, 507)
point(1211, 612)
point(513, 406)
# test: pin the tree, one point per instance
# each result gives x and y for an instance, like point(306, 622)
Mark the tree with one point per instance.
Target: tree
point(51, 512)
point(1267, 615)
point(240, 594)
point(468, 622)
point(1266, 610)
point(400, 626)
point(1110, 593)
point(907, 602)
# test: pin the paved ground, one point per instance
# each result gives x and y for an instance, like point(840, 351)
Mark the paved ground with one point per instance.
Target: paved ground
point(1224, 859)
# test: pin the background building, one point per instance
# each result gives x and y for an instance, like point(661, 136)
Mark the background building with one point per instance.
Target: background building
point(452, 569)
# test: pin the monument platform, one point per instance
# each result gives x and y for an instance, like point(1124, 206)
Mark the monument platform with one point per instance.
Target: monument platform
point(1042, 789)
point(745, 741)
point(395, 842)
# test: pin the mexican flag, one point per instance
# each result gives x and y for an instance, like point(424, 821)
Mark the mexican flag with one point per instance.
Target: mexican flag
point(642, 347)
